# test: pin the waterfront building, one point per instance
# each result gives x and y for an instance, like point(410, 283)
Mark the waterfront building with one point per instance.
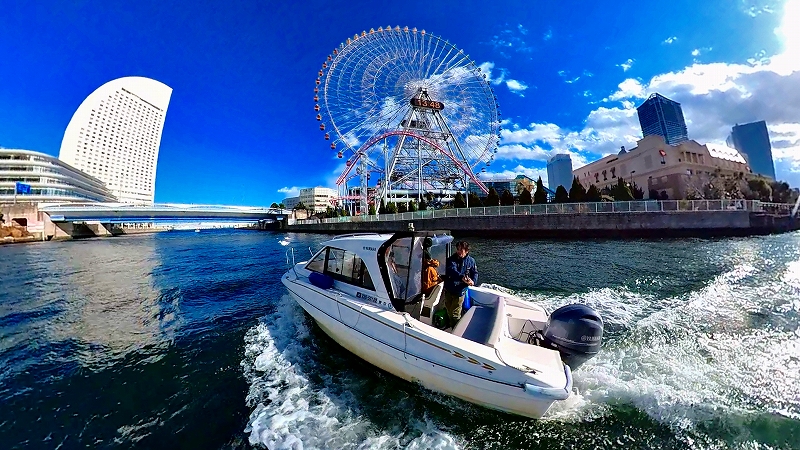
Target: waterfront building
point(115, 136)
point(317, 198)
point(50, 179)
point(514, 185)
point(559, 172)
point(291, 202)
point(661, 116)
point(752, 141)
point(655, 165)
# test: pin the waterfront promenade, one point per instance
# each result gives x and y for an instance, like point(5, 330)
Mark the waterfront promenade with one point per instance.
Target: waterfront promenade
point(667, 218)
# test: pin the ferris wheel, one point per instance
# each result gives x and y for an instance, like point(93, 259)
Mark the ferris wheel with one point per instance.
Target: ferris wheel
point(408, 111)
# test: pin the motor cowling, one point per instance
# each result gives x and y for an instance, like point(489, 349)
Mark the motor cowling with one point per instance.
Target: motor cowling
point(576, 331)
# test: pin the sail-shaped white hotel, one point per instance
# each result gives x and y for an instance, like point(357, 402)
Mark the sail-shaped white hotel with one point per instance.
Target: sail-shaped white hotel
point(115, 135)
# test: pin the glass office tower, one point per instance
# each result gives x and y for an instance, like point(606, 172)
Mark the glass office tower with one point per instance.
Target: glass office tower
point(664, 117)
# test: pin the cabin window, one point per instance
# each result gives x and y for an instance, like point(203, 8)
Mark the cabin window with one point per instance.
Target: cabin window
point(342, 265)
point(317, 264)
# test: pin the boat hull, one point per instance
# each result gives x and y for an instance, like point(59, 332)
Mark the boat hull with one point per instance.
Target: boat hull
point(435, 376)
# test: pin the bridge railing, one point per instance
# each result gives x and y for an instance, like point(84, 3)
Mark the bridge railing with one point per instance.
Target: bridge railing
point(654, 206)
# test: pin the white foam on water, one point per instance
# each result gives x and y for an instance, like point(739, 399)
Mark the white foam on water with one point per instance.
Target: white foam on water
point(691, 359)
point(291, 412)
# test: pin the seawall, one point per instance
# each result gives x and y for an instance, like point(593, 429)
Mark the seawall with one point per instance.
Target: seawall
point(581, 225)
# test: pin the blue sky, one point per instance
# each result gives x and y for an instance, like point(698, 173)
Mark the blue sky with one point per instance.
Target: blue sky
point(241, 128)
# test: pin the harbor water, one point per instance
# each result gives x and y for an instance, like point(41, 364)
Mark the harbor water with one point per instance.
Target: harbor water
point(189, 340)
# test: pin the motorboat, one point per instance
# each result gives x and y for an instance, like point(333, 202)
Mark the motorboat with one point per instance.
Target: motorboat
point(364, 291)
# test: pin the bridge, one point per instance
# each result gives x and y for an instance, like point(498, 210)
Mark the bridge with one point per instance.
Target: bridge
point(115, 213)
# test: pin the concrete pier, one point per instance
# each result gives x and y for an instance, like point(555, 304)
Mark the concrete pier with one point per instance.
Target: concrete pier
point(582, 225)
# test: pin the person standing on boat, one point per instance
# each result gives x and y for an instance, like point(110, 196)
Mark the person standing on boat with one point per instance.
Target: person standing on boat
point(461, 272)
point(430, 276)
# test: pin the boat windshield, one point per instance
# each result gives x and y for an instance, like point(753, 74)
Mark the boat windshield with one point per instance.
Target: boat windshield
point(404, 261)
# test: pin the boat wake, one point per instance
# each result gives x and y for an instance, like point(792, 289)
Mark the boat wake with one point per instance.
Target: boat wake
point(714, 366)
point(711, 365)
point(297, 404)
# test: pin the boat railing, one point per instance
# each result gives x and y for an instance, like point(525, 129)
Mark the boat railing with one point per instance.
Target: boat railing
point(290, 252)
point(342, 236)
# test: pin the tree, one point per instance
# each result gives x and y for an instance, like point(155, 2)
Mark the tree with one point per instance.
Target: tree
point(423, 205)
point(621, 192)
point(329, 212)
point(300, 205)
point(412, 206)
point(382, 208)
point(402, 207)
point(540, 196)
point(274, 205)
point(525, 197)
point(637, 192)
point(577, 193)
point(593, 194)
point(492, 199)
point(761, 189)
point(391, 208)
point(507, 199)
point(372, 210)
point(281, 205)
point(781, 192)
point(474, 200)
point(562, 196)
point(429, 197)
point(663, 195)
point(653, 194)
point(459, 202)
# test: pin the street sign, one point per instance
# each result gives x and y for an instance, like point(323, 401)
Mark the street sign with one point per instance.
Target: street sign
point(22, 188)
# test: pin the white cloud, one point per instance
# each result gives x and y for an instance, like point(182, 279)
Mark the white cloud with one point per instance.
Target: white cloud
point(293, 191)
point(696, 52)
point(532, 172)
point(714, 98)
point(626, 65)
point(515, 86)
point(717, 96)
point(567, 78)
point(754, 8)
point(511, 39)
point(629, 88)
point(670, 39)
point(548, 35)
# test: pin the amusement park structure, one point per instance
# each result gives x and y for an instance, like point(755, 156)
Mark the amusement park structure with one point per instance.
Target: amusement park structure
point(410, 113)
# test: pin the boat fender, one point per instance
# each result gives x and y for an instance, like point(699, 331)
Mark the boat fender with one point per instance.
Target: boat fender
point(320, 280)
point(549, 392)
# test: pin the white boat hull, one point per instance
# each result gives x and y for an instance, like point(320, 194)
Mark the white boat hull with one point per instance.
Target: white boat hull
point(409, 358)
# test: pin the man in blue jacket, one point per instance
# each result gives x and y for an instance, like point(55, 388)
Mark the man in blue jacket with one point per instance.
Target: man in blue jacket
point(461, 272)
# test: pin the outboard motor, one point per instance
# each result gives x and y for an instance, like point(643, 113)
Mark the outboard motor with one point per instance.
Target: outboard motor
point(576, 331)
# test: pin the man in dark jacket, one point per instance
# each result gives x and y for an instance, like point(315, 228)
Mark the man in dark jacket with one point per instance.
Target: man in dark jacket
point(461, 272)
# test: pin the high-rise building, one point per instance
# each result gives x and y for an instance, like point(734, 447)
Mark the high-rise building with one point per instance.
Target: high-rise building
point(115, 135)
point(559, 172)
point(317, 199)
point(664, 117)
point(752, 141)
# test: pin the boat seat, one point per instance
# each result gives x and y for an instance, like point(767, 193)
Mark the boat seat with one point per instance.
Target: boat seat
point(428, 307)
point(482, 324)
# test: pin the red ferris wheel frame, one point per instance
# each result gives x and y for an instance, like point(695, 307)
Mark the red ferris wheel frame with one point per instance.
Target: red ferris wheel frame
point(352, 160)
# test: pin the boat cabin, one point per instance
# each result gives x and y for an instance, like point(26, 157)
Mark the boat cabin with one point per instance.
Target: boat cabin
point(391, 266)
